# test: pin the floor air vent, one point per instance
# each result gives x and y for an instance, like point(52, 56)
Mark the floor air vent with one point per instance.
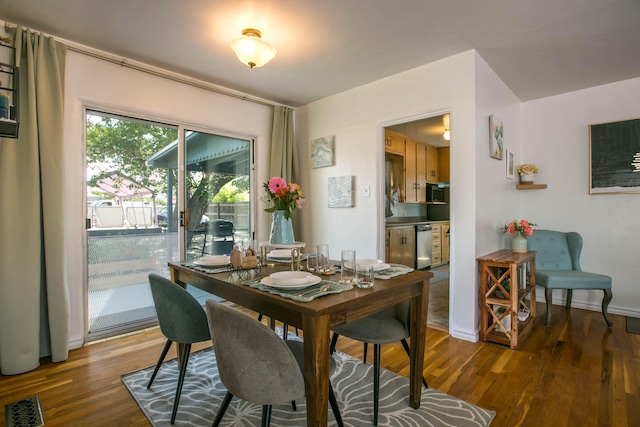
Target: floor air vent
point(24, 413)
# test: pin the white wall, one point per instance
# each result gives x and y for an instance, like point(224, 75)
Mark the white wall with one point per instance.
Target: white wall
point(356, 118)
point(97, 83)
point(556, 138)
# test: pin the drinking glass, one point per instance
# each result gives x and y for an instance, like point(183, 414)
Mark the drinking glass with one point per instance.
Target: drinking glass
point(323, 258)
point(347, 267)
point(364, 276)
point(312, 262)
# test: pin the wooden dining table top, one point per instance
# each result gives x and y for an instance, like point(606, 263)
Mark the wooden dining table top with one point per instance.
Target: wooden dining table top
point(316, 318)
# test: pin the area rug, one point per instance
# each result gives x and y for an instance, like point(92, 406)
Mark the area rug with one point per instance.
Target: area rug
point(203, 392)
point(633, 325)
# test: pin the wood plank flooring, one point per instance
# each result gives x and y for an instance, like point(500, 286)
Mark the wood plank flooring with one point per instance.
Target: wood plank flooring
point(576, 372)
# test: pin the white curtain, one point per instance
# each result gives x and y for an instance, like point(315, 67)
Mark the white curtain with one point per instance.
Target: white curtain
point(34, 296)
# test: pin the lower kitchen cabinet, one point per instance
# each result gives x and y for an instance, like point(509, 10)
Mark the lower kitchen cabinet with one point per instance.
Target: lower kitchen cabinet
point(401, 246)
point(440, 243)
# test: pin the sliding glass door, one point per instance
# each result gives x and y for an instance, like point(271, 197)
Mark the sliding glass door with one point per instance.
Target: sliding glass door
point(156, 193)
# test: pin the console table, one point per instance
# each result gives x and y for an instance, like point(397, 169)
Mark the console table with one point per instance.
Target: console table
point(506, 279)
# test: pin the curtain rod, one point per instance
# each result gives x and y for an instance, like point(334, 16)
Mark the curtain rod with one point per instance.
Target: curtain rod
point(155, 71)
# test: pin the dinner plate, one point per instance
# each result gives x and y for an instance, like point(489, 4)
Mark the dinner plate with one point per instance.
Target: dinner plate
point(313, 280)
point(291, 278)
point(212, 261)
point(377, 264)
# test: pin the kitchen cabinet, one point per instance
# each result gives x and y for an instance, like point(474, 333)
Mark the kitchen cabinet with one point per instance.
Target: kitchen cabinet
point(436, 244)
point(394, 142)
point(432, 166)
point(444, 227)
point(415, 171)
point(401, 245)
point(443, 164)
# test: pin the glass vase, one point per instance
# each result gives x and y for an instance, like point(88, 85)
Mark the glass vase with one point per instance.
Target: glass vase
point(519, 243)
point(281, 229)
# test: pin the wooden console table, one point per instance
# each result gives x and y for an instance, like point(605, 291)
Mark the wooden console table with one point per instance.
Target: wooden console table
point(506, 279)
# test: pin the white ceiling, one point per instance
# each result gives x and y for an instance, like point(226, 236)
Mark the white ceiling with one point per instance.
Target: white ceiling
point(539, 48)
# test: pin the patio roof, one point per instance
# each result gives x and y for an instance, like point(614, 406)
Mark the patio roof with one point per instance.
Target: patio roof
point(122, 187)
point(208, 153)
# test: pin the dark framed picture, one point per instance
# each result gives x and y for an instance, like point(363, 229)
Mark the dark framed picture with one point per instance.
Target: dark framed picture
point(614, 157)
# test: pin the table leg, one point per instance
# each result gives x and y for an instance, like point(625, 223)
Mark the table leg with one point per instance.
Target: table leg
point(316, 369)
point(418, 329)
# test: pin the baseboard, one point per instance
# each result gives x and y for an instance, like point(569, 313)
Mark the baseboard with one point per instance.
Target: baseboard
point(559, 298)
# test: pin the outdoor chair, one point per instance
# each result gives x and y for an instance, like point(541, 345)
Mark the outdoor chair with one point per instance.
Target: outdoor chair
point(221, 235)
point(558, 267)
point(182, 320)
point(255, 364)
point(388, 326)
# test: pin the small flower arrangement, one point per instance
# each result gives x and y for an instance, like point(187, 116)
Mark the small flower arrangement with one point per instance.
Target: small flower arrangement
point(520, 226)
point(284, 197)
point(527, 169)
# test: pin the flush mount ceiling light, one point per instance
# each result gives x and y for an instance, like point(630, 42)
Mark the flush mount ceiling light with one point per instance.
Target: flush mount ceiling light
point(251, 49)
point(445, 122)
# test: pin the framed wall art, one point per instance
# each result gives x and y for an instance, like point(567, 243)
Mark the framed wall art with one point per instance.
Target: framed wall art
point(341, 192)
point(510, 164)
point(322, 152)
point(496, 135)
point(614, 157)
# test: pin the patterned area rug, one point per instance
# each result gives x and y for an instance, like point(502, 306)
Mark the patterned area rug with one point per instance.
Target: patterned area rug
point(633, 325)
point(352, 381)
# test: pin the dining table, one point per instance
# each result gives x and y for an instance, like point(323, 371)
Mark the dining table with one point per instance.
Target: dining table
point(317, 317)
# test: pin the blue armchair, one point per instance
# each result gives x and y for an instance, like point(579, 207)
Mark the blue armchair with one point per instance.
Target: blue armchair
point(558, 267)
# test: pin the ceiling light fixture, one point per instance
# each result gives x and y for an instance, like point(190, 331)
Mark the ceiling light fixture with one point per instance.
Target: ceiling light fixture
point(446, 135)
point(251, 49)
point(445, 122)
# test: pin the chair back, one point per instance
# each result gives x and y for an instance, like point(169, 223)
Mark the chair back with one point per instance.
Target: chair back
point(254, 363)
point(556, 250)
point(180, 315)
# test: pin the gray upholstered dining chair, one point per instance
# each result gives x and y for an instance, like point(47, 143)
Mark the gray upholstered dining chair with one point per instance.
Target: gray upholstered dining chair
point(182, 320)
point(558, 267)
point(255, 364)
point(388, 326)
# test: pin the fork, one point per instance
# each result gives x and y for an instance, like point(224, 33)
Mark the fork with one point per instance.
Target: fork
point(320, 290)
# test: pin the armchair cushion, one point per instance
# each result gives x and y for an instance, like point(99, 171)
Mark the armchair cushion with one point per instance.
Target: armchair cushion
point(571, 279)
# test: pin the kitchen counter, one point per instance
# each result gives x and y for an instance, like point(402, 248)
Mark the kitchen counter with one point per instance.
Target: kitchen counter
point(409, 220)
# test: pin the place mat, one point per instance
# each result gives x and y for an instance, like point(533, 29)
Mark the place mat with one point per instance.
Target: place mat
point(212, 270)
point(301, 295)
point(393, 271)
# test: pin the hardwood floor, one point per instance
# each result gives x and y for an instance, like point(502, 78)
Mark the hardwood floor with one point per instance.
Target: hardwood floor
point(576, 372)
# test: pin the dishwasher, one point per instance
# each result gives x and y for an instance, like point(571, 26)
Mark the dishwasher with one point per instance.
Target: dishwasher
point(423, 246)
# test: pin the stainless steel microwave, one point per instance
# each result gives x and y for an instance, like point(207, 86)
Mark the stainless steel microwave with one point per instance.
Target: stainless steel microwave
point(434, 193)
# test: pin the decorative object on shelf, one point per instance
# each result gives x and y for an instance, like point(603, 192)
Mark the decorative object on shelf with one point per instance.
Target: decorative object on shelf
point(341, 192)
point(251, 50)
point(520, 229)
point(322, 152)
point(285, 198)
point(614, 155)
point(496, 134)
point(526, 172)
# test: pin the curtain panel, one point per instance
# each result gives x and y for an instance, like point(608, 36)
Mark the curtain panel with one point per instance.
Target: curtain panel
point(284, 153)
point(34, 295)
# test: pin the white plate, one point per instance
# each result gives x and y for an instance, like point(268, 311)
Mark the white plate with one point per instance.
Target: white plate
point(291, 278)
point(212, 261)
point(377, 264)
point(280, 253)
point(313, 280)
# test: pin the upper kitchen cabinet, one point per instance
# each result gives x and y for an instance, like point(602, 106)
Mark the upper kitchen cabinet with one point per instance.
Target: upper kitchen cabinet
point(394, 142)
point(415, 171)
point(443, 164)
point(433, 167)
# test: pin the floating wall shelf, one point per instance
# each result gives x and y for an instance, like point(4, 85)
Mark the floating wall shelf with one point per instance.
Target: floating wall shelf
point(531, 186)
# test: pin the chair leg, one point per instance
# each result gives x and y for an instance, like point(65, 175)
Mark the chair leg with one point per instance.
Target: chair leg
point(548, 293)
point(222, 410)
point(285, 331)
point(266, 415)
point(183, 371)
point(408, 350)
point(569, 298)
point(334, 406)
point(167, 345)
point(605, 304)
point(376, 381)
point(334, 340)
point(364, 351)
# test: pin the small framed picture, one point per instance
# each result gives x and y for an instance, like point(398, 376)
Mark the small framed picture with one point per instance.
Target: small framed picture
point(511, 167)
point(496, 135)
